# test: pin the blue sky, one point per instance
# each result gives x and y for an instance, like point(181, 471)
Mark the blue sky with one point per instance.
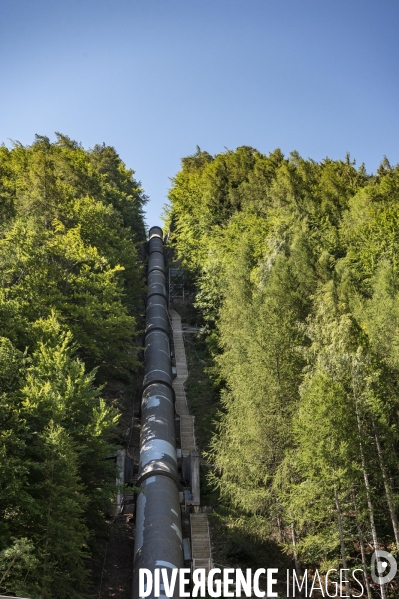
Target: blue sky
point(154, 78)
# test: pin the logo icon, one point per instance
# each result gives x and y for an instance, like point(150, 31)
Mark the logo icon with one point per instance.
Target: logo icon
point(384, 558)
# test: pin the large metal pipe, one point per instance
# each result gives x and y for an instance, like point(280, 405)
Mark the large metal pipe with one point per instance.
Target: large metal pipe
point(158, 537)
point(155, 232)
point(156, 313)
point(156, 262)
point(156, 283)
point(157, 359)
point(156, 245)
point(158, 441)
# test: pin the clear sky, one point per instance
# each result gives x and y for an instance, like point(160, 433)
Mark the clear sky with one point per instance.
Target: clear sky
point(154, 78)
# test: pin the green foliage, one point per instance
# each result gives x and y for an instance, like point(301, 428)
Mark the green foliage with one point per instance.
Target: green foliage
point(55, 482)
point(296, 271)
point(16, 563)
point(71, 247)
point(70, 293)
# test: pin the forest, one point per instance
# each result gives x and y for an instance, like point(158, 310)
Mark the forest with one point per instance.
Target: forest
point(294, 269)
point(295, 266)
point(71, 286)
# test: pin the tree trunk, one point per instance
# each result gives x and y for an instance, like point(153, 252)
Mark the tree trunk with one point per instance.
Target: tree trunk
point(368, 493)
point(341, 538)
point(280, 534)
point(298, 568)
point(362, 549)
point(387, 486)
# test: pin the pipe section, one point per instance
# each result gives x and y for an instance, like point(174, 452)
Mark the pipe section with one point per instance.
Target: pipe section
point(157, 263)
point(156, 282)
point(158, 537)
point(156, 313)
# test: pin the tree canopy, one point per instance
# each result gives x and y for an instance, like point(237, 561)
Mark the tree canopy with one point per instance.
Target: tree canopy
point(295, 264)
point(71, 284)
